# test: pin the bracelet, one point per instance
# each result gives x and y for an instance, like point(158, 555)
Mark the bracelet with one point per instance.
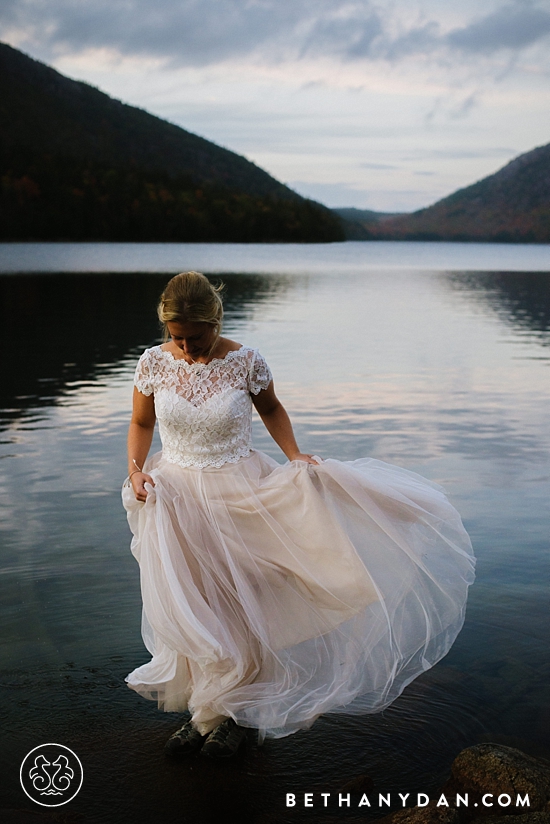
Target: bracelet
point(133, 473)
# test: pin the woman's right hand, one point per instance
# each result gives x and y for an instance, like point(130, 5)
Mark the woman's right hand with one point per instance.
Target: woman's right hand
point(138, 481)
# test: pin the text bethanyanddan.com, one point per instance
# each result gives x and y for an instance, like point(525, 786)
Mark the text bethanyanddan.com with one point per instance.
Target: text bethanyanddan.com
point(385, 800)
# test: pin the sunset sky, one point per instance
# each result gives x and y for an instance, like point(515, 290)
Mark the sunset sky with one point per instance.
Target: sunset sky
point(384, 105)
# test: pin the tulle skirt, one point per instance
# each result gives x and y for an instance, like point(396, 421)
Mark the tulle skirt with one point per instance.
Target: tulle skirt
point(273, 594)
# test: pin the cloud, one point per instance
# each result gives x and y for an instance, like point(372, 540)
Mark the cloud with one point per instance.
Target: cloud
point(418, 40)
point(353, 37)
point(200, 32)
point(192, 32)
point(510, 27)
point(460, 154)
point(377, 166)
point(208, 32)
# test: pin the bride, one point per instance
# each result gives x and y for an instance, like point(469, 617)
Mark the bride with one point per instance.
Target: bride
point(272, 593)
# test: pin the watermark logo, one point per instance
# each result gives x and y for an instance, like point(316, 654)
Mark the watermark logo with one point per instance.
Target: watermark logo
point(51, 775)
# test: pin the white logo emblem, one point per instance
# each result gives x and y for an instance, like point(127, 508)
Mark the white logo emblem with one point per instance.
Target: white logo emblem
point(51, 775)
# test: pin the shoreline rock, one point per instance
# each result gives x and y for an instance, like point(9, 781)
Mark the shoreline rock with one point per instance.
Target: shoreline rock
point(479, 772)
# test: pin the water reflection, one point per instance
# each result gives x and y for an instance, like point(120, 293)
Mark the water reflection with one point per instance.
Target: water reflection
point(406, 366)
point(521, 299)
point(64, 331)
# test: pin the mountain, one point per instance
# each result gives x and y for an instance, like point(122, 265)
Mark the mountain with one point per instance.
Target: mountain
point(77, 164)
point(512, 206)
point(358, 223)
point(363, 215)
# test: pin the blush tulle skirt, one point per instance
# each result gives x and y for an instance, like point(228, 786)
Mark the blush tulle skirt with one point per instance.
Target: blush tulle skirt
point(273, 594)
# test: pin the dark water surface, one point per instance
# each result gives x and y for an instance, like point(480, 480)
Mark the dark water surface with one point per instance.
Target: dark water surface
point(442, 371)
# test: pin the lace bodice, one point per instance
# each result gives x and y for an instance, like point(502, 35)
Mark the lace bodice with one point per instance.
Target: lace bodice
point(204, 410)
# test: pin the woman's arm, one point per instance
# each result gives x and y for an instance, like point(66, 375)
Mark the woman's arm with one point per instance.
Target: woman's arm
point(277, 423)
point(140, 435)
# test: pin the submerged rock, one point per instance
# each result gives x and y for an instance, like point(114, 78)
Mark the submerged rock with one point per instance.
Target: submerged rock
point(492, 778)
point(501, 772)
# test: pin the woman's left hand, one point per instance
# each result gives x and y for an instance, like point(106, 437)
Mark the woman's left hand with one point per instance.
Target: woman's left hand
point(300, 456)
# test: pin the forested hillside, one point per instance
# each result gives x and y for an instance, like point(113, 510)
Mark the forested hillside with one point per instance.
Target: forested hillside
point(512, 205)
point(75, 164)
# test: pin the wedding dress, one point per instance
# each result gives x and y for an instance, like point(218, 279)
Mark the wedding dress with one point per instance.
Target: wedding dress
point(274, 593)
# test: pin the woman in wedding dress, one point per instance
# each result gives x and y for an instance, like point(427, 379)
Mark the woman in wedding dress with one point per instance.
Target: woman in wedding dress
point(272, 593)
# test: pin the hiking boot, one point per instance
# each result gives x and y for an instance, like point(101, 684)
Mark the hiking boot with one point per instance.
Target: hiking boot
point(184, 741)
point(224, 741)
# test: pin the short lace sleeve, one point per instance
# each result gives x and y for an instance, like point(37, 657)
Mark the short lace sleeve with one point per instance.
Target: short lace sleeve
point(260, 374)
point(143, 379)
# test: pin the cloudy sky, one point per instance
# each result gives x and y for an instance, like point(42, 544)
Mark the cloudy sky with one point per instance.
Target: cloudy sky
point(384, 105)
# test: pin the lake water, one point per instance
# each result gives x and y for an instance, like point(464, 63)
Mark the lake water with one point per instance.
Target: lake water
point(431, 356)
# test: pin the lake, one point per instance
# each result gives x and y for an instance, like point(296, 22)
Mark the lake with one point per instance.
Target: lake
point(433, 356)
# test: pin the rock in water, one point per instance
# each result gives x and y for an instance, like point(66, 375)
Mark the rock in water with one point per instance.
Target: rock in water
point(499, 770)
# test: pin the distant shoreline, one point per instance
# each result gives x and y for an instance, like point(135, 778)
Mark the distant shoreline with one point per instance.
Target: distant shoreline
point(270, 259)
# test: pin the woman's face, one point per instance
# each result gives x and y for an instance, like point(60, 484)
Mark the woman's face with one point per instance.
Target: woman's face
point(194, 339)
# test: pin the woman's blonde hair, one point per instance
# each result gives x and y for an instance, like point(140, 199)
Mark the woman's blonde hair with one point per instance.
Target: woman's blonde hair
point(190, 298)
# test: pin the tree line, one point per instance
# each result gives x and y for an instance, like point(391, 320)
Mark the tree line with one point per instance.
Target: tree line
point(62, 199)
